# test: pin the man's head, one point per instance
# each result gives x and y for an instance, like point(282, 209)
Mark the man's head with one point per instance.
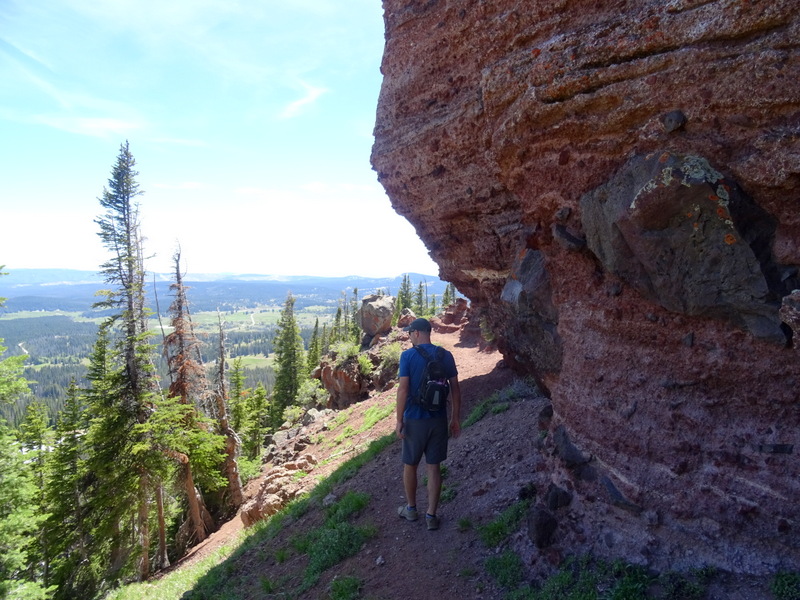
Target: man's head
point(419, 331)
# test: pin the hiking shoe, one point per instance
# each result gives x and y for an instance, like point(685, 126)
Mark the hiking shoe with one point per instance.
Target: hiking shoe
point(409, 514)
point(432, 521)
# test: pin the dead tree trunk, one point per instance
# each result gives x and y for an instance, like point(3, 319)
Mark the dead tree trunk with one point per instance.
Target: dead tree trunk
point(162, 559)
point(235, 496)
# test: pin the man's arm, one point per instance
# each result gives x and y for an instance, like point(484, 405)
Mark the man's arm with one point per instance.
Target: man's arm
point(455, 404)
point(402, 396)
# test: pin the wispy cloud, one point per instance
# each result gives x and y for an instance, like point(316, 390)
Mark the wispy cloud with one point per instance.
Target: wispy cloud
point(184, 185)
point(23, 56)
point(102, 127)
point(312, 93)
point(181, 142)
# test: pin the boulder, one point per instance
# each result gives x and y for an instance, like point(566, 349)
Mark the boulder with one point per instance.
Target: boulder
point(344, 383)
point(375, 314)
point(406, 317)
point(683, 235)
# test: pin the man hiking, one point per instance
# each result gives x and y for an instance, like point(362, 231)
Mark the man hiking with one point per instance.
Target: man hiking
point(425, 431)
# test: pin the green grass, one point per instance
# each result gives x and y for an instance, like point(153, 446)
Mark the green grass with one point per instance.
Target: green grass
point(786, 586)
point(464, 524)
point(448, 494)
point(336, 539)
point(350, 504)
point(501, 407)
point(347, 432)
point(177, 582)
point(372, 416)
point(330, 545)
point(500, 401)
point(345, 588)
point(506, 569)
point(341, 418)
point(494, 533)
point(281, 554)
point(588, 578)
point(251, 361)
point(376, 413)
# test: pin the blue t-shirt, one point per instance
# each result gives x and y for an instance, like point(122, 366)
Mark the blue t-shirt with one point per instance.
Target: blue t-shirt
point(412, 365)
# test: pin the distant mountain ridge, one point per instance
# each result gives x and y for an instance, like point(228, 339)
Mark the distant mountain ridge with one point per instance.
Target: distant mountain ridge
point(74, 290)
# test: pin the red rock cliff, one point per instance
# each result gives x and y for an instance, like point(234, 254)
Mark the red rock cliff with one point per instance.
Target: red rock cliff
point(615, 187)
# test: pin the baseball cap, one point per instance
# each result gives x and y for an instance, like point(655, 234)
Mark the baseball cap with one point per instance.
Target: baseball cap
point(419, 325)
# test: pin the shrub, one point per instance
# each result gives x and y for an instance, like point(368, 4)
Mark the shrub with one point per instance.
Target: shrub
point(390, 356)
point(365, 365)
point(248, 469)
point(311, 394)
point(344, 351)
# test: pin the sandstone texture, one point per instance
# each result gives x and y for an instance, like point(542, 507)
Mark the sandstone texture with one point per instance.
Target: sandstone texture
point(616, 188)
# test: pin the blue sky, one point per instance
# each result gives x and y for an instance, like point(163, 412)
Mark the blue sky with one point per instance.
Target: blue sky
point(251, 123)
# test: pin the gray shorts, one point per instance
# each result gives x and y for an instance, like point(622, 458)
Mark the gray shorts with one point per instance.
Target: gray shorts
point(424, 436)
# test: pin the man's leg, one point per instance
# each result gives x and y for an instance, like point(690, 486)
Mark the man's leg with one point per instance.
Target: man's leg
point(434, 487)
point(410, 484)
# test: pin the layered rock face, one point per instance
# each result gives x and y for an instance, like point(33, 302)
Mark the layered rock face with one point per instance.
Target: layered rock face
point(616, 187)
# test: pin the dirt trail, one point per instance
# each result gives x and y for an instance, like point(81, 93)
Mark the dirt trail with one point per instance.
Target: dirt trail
point(487, 468)
point(480, 377)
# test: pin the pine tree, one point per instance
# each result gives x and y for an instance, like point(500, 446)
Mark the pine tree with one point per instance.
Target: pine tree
point(36, 437)
point(336, 328)
point(21, 518)
point(449, 296)
point(344, 334)
point(314, 348)
point(290, 364)
point(111, 486)
point(404, 295)
point(120, 233)
point(325, 340)
point(355, 327)
point(20, 521)
point(135, 386)
point(65, 529)
point(257, 422)
point(420, 300)
point(238, 394)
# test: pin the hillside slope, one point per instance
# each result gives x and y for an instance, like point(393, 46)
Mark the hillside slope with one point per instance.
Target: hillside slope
point(495, 461)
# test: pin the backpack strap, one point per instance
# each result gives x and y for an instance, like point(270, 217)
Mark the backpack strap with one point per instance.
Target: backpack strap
point(423, 353)
point(418, 393)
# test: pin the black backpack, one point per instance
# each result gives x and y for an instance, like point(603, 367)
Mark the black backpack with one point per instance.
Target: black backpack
point(434, 387)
